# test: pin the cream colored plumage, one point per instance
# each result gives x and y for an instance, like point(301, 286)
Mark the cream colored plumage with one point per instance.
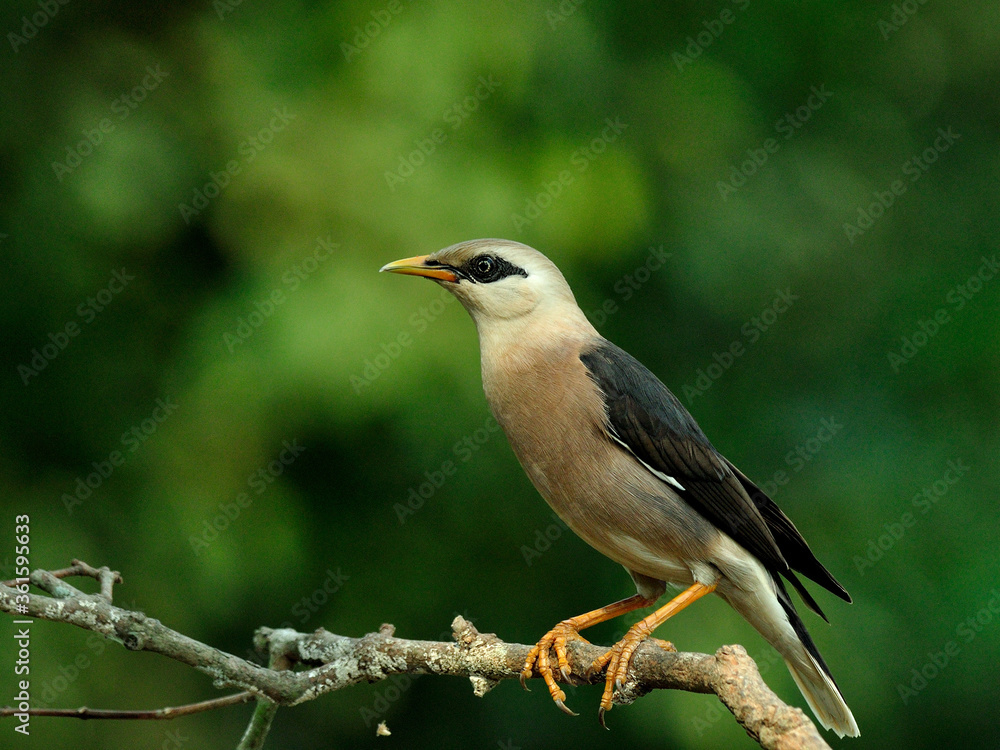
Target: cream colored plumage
point(627, 468)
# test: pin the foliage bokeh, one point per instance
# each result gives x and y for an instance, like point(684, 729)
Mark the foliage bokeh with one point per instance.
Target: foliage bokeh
point(404, 127)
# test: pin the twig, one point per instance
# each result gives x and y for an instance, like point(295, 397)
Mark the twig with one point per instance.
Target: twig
point(77, 568)
point(105, 576)
point(334, 662)
point(171, 712)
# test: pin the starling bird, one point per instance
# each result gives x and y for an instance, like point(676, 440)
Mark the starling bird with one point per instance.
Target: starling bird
point(625, 465)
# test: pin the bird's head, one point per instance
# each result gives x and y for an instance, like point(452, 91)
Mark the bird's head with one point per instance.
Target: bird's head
point(497, 281)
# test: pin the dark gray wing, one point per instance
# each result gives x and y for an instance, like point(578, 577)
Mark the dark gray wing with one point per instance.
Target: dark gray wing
point(651, 423)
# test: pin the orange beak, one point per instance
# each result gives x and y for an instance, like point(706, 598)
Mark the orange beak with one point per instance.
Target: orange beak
point(419, 266)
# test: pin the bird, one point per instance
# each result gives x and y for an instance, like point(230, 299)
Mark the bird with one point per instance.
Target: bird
point(627, 468)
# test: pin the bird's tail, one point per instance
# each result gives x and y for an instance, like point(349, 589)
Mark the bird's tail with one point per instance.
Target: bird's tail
point(812, 675)
point(775, 618)
point(823, 697)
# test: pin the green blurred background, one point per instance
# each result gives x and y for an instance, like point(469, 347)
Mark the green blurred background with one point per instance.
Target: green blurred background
point(251, 165)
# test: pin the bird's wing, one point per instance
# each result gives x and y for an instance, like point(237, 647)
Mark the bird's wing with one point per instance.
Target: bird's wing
point(651, 423)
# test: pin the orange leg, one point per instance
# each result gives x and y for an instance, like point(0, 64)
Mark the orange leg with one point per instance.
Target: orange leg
point(568, 630)
point(619, 657)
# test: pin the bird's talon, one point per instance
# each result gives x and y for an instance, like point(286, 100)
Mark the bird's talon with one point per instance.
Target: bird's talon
point(565, 709)
point(539, 660)
point(600, 717)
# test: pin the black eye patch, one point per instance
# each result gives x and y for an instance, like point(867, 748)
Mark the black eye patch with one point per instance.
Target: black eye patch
point(485, 269)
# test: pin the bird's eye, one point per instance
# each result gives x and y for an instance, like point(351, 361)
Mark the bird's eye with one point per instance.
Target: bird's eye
point(484, 268)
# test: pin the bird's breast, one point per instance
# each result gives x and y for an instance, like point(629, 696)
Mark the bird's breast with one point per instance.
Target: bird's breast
point(554, 417)
point(551, 412)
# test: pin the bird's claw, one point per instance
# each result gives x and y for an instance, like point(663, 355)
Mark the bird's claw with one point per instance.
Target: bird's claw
point(618, 659)
point(565, 709)
point(538, 660)
point(600, 717)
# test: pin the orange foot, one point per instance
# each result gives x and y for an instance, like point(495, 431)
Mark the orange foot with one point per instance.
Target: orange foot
point(560, 635)
point(619, 657)
point(618, 660)
point(538, 659)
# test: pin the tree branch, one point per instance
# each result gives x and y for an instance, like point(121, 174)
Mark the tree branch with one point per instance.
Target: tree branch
point(332, 662)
